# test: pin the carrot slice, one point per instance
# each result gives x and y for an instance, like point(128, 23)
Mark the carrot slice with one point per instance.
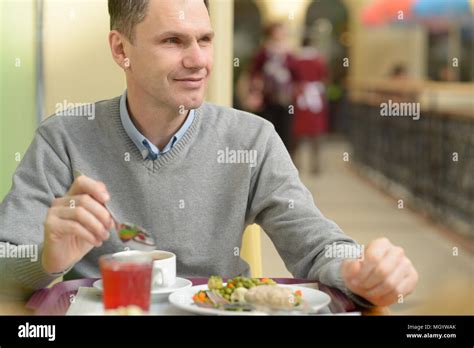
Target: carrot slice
point(202, 296)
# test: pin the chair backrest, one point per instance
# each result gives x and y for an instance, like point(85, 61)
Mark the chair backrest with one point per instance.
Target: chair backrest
point(252, 249)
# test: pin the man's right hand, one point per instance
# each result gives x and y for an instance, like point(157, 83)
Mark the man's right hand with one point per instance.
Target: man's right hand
point(75, 224)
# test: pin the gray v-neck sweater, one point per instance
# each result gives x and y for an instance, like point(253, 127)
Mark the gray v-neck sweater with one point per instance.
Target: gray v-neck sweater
point(197, 199)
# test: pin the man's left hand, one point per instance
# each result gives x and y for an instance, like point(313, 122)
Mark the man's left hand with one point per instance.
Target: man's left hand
point(383, 276)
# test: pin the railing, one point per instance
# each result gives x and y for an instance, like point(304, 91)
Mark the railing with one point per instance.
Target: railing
point(431, 159)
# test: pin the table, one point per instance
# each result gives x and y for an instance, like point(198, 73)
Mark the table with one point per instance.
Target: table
point(57, 300)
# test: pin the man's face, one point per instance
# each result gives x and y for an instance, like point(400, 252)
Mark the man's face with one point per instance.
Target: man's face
point(171, 53)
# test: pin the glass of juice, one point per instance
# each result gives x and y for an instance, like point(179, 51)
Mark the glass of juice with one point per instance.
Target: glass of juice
point(126, 281)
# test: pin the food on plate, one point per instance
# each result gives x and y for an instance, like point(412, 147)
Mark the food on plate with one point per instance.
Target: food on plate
point(240, 293)
point(201, 299)
point(275, 297)
point(227, 290)
point(215, 283)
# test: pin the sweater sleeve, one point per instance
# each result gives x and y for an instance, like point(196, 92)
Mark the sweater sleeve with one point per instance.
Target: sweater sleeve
point(41, 176)
point(284, 207)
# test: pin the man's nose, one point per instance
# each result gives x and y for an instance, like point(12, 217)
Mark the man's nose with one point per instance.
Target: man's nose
point(195, 57)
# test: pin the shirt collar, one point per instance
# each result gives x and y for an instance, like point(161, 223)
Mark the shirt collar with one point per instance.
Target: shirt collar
point(146, 147)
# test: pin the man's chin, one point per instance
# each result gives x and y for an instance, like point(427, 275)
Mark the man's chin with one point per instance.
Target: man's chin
point(192, 103)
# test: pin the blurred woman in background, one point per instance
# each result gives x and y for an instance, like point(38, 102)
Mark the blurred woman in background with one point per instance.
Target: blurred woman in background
point(271, 78)
point(311, 109)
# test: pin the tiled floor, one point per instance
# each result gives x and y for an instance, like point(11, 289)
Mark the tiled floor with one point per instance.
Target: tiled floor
point(446, 284)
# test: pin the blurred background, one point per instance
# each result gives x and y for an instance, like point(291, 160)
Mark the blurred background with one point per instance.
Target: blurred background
point(325, 73)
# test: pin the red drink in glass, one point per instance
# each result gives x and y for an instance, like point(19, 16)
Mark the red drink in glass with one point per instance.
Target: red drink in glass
point(126, 281)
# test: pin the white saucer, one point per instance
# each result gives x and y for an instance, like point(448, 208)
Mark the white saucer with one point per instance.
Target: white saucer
point(181, 283)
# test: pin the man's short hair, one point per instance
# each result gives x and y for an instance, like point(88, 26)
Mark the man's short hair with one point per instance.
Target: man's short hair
point(126, 14)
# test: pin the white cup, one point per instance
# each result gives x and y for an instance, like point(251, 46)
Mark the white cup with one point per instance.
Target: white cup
point(164, 266)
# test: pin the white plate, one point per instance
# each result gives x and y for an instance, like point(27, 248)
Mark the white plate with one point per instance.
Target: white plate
point(180, 283)
point(183, 299)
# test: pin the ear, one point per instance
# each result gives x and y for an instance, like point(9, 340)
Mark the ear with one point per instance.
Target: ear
point(117, 47)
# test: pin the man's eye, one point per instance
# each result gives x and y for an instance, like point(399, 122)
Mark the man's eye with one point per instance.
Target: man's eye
point(206, 39)
point(171, 40)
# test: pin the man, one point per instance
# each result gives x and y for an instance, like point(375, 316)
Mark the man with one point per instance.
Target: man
point(155, 154)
